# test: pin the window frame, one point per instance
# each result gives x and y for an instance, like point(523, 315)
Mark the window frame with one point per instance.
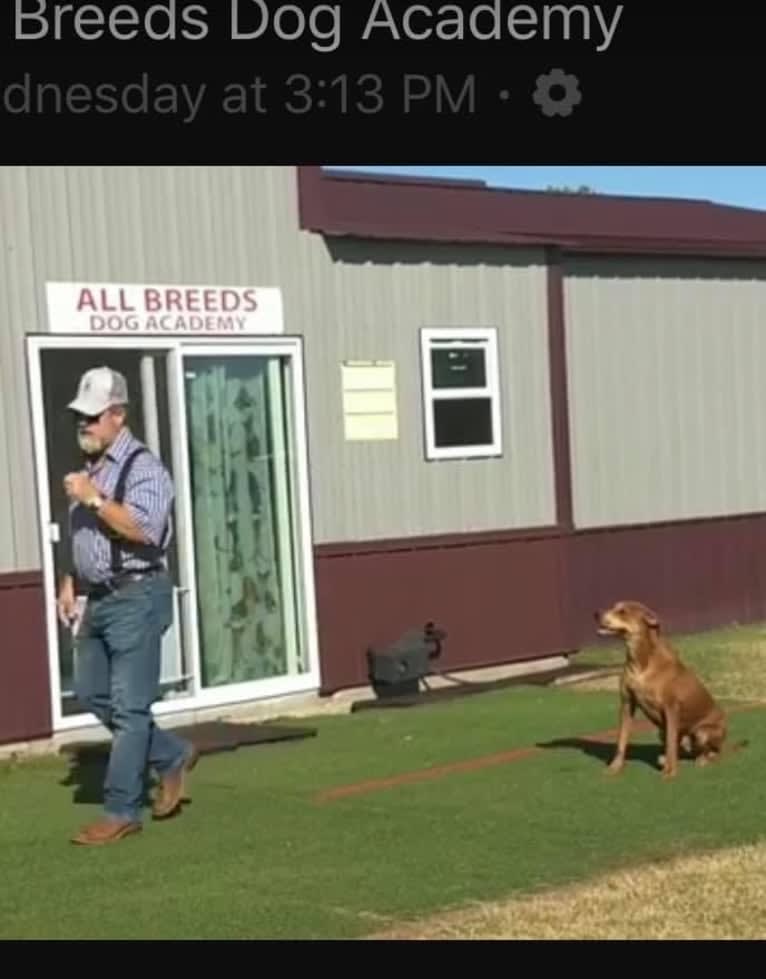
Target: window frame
point(485, 338)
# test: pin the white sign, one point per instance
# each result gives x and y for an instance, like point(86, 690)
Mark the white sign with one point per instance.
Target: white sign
point(369, 401)
point(107, 309)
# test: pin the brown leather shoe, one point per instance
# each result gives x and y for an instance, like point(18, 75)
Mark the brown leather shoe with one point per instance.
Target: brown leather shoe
point(171, 790)
point(106, 831)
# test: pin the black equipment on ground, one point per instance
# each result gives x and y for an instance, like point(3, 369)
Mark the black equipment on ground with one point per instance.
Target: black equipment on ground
point(397, 669)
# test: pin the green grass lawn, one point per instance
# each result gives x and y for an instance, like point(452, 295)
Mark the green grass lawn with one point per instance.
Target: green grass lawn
point(256, 856)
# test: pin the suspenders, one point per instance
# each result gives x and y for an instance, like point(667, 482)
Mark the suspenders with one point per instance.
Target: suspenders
point(148, 550)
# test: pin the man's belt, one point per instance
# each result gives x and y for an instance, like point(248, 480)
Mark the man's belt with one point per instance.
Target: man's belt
point(104, 588)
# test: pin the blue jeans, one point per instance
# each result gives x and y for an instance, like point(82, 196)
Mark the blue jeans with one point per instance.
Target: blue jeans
point(117, 677)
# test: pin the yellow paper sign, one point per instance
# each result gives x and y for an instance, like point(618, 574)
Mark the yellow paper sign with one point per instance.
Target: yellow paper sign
point(369, 401)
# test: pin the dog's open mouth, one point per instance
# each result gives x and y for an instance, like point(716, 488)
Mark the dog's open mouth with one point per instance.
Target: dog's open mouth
point(606, 630)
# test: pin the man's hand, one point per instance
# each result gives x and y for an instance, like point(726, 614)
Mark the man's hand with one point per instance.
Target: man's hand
point(78, 486)
point(66, 605)
point(116, 515)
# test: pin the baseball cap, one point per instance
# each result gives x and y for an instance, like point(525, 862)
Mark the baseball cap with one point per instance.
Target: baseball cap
point(99, 389)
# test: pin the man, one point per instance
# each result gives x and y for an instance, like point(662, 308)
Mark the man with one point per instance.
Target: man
point(120, 508)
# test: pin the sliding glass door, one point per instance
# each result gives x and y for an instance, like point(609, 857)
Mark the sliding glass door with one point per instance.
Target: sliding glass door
point(227, 418)
point(249, 525)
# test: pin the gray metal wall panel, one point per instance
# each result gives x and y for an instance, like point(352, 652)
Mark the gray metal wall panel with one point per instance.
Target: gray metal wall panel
point(369, 301)
point(115, 224)
point(666, 389)
point(19, 538)
point(239, 225)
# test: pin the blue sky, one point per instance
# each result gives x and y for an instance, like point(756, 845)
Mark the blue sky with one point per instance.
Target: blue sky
point(743, 186)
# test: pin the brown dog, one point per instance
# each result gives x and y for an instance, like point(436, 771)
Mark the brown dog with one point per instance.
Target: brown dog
point(667, 692)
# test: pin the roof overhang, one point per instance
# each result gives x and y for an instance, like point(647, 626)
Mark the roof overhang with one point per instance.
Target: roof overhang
point(370, 206)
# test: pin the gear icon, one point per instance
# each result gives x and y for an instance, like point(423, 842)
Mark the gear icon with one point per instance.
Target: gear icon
point(561, 105)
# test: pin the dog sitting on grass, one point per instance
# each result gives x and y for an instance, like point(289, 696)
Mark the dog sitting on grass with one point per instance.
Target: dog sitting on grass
point(667, 692)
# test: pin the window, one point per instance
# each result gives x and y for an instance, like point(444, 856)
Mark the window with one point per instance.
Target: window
point(461, 391)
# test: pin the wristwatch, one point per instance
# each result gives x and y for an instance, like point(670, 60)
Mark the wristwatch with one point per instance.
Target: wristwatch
point(95, 502)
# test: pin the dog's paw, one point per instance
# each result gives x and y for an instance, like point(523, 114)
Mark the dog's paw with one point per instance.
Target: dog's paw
point(614, 768)
point(668, 774)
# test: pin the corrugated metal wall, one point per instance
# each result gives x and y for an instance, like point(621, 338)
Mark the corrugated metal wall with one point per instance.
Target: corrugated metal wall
point(368, 301)
point(666, 385)
point(351, 301)
point(19, 299)
point(116, 224)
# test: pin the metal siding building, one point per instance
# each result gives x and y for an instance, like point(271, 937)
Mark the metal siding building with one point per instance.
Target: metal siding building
point(665, 401)
point(369, 302)
point(350, 301)
point(629, 347)
point(124, 224)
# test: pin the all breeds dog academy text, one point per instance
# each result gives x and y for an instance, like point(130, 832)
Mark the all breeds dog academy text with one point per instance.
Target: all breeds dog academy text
point(321, 24)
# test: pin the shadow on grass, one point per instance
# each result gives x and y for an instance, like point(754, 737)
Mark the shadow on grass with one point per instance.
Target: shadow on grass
point(603, 751)
point(86, 775)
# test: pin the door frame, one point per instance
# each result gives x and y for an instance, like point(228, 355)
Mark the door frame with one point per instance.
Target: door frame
point(232, 694)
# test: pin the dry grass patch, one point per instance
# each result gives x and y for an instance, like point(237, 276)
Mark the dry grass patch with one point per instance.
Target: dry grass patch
point(732, 662)
point(711, 896)
point(609, 683)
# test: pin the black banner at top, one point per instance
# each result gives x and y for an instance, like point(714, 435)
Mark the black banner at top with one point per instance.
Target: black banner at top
point(383, 80)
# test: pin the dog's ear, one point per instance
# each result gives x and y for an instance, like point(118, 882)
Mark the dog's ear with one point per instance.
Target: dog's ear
point(652, 620)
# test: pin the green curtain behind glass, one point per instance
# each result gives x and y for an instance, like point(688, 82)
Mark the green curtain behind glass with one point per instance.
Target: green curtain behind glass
point(240, 608)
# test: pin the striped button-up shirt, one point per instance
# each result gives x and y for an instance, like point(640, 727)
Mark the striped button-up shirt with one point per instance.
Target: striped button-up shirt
point(148, 496)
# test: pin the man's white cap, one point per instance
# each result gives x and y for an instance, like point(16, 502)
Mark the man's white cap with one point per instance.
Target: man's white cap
point(100, 388)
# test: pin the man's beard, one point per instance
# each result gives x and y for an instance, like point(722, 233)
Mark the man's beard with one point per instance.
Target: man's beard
point(89, 444)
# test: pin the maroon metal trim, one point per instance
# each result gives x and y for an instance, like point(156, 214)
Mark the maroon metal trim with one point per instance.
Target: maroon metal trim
point(504, 597)
point(310, 199)
point(681, 522)
point(21, 579)
point(370, 206)
point(351, 548)
point(334, 549)
point(435, 542)
point(25, 699)
point(523, 599)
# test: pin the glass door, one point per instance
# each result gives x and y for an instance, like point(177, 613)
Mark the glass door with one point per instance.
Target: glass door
point(228, 419)
point(250, 518)
point(55, 366)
